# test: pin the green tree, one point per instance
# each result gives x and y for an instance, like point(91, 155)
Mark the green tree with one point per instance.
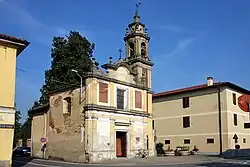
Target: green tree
point(17, 127)
point(71, 52)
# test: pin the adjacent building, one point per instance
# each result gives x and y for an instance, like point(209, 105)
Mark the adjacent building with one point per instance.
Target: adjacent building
point(10, 48)
point(206, 116)
point(109, 117)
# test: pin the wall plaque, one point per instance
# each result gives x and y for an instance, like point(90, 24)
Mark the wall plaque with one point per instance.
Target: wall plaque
point(6, 126)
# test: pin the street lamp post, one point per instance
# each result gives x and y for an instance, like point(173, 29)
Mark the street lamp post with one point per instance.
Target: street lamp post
point(75, 71)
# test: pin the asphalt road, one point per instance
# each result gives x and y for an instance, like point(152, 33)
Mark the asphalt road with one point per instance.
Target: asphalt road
point(21, 162)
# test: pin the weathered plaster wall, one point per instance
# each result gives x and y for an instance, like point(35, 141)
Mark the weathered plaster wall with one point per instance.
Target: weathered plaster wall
point(121, 74)
point(37, 132)
point(101, 126)
point(102, 129)
point(65, 131)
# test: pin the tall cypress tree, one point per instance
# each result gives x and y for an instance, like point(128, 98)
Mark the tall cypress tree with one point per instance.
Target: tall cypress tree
point(71, 52)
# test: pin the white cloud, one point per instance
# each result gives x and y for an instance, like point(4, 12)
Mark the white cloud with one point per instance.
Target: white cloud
point(182, 45)
point(174, 28)
point(19, 16)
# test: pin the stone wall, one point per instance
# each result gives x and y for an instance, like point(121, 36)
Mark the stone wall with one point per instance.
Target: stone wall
point(65, 131)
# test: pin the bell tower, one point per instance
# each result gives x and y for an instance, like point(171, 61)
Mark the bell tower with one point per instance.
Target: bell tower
point(137, 55)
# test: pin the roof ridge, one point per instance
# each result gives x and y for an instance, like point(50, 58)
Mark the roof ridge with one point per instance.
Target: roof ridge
point(201, 86)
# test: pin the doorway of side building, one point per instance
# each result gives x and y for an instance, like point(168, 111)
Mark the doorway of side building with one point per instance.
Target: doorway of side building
point(121, 144)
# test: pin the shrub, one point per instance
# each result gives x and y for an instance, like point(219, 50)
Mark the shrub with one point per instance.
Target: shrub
point(159, 148)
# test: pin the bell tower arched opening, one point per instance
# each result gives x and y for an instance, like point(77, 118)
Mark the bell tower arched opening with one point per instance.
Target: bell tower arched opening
point(143, 50)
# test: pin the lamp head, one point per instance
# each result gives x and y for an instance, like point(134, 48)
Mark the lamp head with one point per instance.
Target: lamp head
point(74, 71)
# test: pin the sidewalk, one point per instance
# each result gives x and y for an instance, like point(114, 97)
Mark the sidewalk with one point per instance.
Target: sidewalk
point(177, 160)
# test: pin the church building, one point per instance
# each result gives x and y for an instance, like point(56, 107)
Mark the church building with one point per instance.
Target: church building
point(109, 117)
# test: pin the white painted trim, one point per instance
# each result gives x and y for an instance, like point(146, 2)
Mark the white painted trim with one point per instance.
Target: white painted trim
point(126, 95)
point(121, 121)
point(7, 110)
point(142, 101)
point(114, 114)
point(100, 103)
point(202, 114)
point(204, 134)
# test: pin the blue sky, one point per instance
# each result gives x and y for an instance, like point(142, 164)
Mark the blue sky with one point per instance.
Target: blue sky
point(190, 40)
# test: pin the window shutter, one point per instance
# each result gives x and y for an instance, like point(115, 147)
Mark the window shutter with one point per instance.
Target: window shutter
point(138, 99)
point(234, 99)
point(103, 92)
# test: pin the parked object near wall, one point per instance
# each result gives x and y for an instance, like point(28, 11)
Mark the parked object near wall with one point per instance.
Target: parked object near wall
point(22, 151)
point(195, 151)
point(169, 152)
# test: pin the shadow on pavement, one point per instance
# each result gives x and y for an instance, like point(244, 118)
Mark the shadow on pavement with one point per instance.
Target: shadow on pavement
point(239, 158)
point(20, 161)
point(221, 164)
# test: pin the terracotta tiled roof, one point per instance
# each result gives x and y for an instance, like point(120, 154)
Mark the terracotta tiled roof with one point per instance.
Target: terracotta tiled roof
point(14, 39)
point(202, 87)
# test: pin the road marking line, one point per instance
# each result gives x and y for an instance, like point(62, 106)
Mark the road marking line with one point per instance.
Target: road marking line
point(31, 163)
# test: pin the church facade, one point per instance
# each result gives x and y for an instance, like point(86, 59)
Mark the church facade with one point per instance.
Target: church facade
point(109, 117)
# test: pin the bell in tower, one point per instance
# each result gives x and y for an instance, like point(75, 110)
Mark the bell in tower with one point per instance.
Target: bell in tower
point(137, 44)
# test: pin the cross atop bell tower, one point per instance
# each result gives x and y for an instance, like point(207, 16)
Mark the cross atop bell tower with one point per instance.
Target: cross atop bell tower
point(137, 44)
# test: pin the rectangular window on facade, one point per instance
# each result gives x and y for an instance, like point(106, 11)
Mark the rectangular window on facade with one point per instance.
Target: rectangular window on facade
point(138, 99)
point(185, 102)
point(103, 92)
point(186, 141)
point(147, 143)
point(120, 98)
point(167, 141)
point(234, 99)
point(235, 120)
point(186, 122)
point(210, 141)
point(153, 124)
point(246, 125)
point(67, 105)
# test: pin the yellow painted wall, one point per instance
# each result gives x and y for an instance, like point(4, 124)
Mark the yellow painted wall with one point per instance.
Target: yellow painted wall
point(8, 74)
point(7, 98)
point(204, 120)
point(8, 53)
point(6, 142)
point(6, 139)
point(203, 112)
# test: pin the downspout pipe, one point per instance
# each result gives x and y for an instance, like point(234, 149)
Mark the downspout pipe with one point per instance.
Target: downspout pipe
point(220, 122)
